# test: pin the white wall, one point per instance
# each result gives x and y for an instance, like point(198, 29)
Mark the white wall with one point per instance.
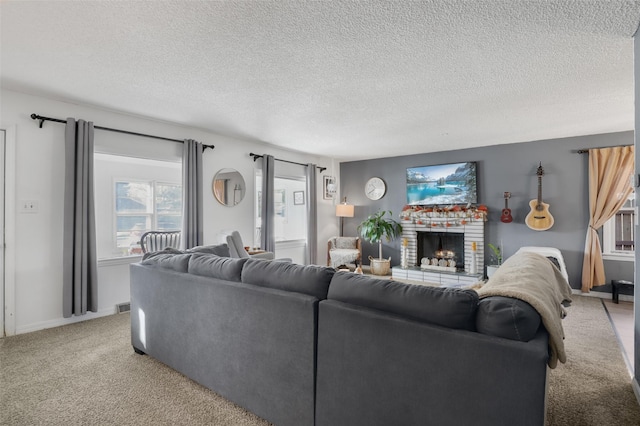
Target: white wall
point(39, 173)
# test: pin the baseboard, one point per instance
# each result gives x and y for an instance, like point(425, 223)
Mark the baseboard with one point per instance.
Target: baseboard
point(64, 321)
point(601, 295)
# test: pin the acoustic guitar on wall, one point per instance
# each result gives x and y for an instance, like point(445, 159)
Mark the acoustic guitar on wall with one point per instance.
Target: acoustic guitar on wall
point(539, 218)
point(506, 212)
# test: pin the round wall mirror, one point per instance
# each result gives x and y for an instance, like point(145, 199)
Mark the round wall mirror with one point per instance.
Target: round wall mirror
point(228, 187)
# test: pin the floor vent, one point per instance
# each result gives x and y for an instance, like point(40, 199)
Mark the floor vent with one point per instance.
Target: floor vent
point(123, 307)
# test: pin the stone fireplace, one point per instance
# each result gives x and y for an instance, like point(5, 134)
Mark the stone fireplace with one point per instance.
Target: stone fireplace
point(460, 236)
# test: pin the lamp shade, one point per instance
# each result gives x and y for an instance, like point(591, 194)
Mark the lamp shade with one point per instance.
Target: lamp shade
point(344, 210)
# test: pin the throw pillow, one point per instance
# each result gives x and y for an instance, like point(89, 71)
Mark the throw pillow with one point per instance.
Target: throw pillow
point(210, 265)
point(346, 242)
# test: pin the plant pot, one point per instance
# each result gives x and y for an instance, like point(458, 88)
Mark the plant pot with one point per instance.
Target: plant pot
point(491, 269)
point(380, 266)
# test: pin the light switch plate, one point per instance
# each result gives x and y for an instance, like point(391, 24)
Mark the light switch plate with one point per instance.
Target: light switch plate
point(28, 206)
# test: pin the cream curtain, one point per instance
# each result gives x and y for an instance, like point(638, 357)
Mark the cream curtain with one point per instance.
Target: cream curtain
point(610, 170)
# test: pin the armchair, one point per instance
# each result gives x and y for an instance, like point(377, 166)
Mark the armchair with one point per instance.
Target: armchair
point(236, 248)
point(343, 250)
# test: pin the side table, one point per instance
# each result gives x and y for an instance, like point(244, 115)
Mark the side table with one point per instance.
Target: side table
point(615, 288)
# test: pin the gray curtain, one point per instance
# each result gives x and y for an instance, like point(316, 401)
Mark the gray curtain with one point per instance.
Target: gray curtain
point(312, 215)
point(267, 235)
point(80, 265)
point(192, 194)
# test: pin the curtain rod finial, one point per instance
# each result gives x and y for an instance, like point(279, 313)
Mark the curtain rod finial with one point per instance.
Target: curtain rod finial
point(35, 116)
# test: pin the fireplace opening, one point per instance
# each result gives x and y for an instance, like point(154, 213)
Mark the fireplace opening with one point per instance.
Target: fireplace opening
point(441, 245)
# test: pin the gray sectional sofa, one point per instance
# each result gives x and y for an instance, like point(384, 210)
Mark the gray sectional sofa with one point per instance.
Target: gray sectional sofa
point(302, 345)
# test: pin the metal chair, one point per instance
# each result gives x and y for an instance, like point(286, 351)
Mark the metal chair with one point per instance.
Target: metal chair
point(159, 240)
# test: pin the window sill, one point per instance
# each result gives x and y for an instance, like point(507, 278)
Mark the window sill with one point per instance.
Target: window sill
point(622, 257)
point(115, 261)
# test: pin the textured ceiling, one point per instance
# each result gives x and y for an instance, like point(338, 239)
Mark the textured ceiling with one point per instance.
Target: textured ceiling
point(344, 79)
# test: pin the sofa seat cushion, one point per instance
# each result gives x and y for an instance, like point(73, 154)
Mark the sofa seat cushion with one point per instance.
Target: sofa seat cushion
point(312, 280)
point(210, 265)
point(448, 307)
point(176, 261)
point(507, 317)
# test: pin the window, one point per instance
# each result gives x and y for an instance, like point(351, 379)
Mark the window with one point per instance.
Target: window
point(290, 220)
point(618, 238)
point(143, 206)
point(134, 195)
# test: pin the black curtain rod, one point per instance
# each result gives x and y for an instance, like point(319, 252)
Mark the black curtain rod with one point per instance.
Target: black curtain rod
point(586, 150)
point(256, 156)
point(126, 132)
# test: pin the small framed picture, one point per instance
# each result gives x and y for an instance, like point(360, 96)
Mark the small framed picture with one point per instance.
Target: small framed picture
point(298, 197)
point(328, 187)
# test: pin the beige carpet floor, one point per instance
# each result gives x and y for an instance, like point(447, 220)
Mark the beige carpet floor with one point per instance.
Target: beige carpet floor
point(594, 386)
point(87, 374)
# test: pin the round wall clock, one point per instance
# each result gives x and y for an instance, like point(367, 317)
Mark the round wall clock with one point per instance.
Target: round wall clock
point(375, 188)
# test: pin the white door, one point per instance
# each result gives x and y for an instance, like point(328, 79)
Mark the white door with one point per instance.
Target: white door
point(2, 201)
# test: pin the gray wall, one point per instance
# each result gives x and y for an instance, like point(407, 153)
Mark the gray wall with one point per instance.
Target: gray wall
point(501, 168)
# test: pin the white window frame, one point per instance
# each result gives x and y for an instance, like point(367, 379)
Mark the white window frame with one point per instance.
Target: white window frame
point(609, 251)
point(153, 215)
point(289, 205)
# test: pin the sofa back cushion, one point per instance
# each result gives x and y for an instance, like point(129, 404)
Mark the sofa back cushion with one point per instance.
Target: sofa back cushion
point(210, 265)
point(507, 317)
point(219, 249)
point(448, 307)
point(312, 280)
point(175, 261)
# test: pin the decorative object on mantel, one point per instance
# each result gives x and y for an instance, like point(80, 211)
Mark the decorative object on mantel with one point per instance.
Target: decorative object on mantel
point(539, 218)
point(473, 269)
point(373, 229)
point(443, 216)
point(404, 255)
point(506, 212)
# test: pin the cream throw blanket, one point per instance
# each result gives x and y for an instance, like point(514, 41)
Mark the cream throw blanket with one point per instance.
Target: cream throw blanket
point(532, 278)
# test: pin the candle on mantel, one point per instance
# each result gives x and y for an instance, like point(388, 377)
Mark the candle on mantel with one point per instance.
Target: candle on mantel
point(473, 269)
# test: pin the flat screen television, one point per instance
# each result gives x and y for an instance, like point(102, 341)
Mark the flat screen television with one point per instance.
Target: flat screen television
point(442, 184)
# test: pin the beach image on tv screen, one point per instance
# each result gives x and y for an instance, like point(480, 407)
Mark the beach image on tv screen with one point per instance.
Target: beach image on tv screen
point(443, 184)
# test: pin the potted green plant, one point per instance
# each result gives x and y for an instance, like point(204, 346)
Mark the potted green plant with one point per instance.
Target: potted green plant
point(496, 260)
point(374, 229)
